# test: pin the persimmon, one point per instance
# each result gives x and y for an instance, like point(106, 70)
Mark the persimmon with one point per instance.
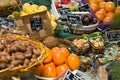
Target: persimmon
point(94, 7)
point(49, 57)
point(65, 51)
point(58, 56)
point(102, 5)
point(61, 68)
point(49, 70)
point(110, 6)
point(73, 61)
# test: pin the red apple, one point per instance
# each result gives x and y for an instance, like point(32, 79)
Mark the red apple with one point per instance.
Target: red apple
point(58, 4)
point(65, 1)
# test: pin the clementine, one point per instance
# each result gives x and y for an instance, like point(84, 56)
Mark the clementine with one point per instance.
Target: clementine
point(49, 70)
point(94, 7)
point(73, 61)
point(100, 16)
point(93, 2)
point(110, 6)
point(110, 14)
point(58, 56)
point(117, 10)
point(38, 70)
point(107, 19)
point(100, 1)
point(102, 11)
point(102, 5)
point(61, 68)
point(65, 51)
point(49, 58)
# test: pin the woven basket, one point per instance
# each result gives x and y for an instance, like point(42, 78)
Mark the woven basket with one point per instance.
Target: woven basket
point(8, 10)
point(7, 73)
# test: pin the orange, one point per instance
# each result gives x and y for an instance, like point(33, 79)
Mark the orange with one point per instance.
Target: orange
point(93, 2)
point(61, 68)
point(65, 51)
point(100, 1)
point(38, 70)
point(102, 5)
point(58, 57)
point(49, 70)
point(100, 16)
point(107, 19)
point(117, 10)
point(103, 11)
point(49, 58)
point(73, 61)
point(94, 7)
point(110, 6)
point(110, 14)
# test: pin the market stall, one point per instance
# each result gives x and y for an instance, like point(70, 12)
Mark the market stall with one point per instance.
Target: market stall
point(59, 40)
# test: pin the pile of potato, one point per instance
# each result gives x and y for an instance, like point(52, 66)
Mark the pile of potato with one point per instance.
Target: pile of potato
point(97, 43)
point(15, 52)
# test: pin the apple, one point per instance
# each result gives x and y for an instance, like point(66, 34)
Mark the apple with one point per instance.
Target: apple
point(65, 1)
point(58, 4)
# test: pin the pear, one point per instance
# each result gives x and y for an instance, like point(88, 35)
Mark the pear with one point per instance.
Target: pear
point(22, 13)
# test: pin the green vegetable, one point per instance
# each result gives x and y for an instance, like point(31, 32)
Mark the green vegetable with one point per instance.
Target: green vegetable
point(85, 36)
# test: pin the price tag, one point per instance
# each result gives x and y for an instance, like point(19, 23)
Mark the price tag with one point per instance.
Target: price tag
point(70, 76)
point(36, 23)
point(4, 22)
point(74, 19)
point(64, 11)
point(84, 8)
point(118, 3)
point(113, 36)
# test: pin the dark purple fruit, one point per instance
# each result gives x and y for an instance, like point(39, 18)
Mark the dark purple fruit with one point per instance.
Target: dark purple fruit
point(3, 65)
point(86, 21)
point(90, 18)
point(94, 21)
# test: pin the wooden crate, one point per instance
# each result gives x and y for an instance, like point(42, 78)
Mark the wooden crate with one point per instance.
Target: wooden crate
point(24, 23)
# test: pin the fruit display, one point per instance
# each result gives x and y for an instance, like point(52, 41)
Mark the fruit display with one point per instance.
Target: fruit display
point(104, 11)
point(59, 60)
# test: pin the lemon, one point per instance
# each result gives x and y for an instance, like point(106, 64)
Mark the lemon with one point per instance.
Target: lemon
point(54, 24)
point(22, 13)
point(10, 16)
point(49, 14)
point(52, 17)
point(42, 8)
point(26, 6)
point(15, 14)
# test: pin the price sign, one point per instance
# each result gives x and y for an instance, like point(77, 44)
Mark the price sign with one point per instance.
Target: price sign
point(84, 8)
point(36, 23)
point(118, 2)
point(113, 36)
point(4, 22)
point(64, 11)
point(74, 19)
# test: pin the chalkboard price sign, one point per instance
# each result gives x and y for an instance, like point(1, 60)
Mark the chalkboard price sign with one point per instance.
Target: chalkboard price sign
point(64, 11)
point(84, 8)
point(4, 22)
point(70, 76)
point(113, 36)
point(118, 2)
point(73, 19)
point(36, 23)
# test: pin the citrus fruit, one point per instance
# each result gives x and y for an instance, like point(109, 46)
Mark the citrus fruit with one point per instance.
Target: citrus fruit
point(102, 11)
point(107, 19)
point(93, 2)
point(102, 5)
point(61, 68)
point(73, 61)
point(110, 6)
point(100, 16)
point(100, 1)
point(65, 51)
point(38, 70)
point(117, 10)
point(49, 70)
point(49, 57)
point(110, 14)
point(58, 57)
point(94, 7)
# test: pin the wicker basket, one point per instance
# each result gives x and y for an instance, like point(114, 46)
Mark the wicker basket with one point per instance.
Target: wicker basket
point(8, 10)
point(7, 73)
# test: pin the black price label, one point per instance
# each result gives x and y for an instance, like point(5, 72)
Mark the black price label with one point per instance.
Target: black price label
point(36, 23)
point(4, 22)
point(70, 76)
point(84, 8)
point(73, 19)
point(118, 2)
point(113, 36)
point(64, 11)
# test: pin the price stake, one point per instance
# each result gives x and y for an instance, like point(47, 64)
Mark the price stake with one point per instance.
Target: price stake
point(4, 22)
point(36, 23)
point(113, 36)
point(64, 11)
point(70, 76)
point(84, 8)
point(118, 3)
point(74, 19)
